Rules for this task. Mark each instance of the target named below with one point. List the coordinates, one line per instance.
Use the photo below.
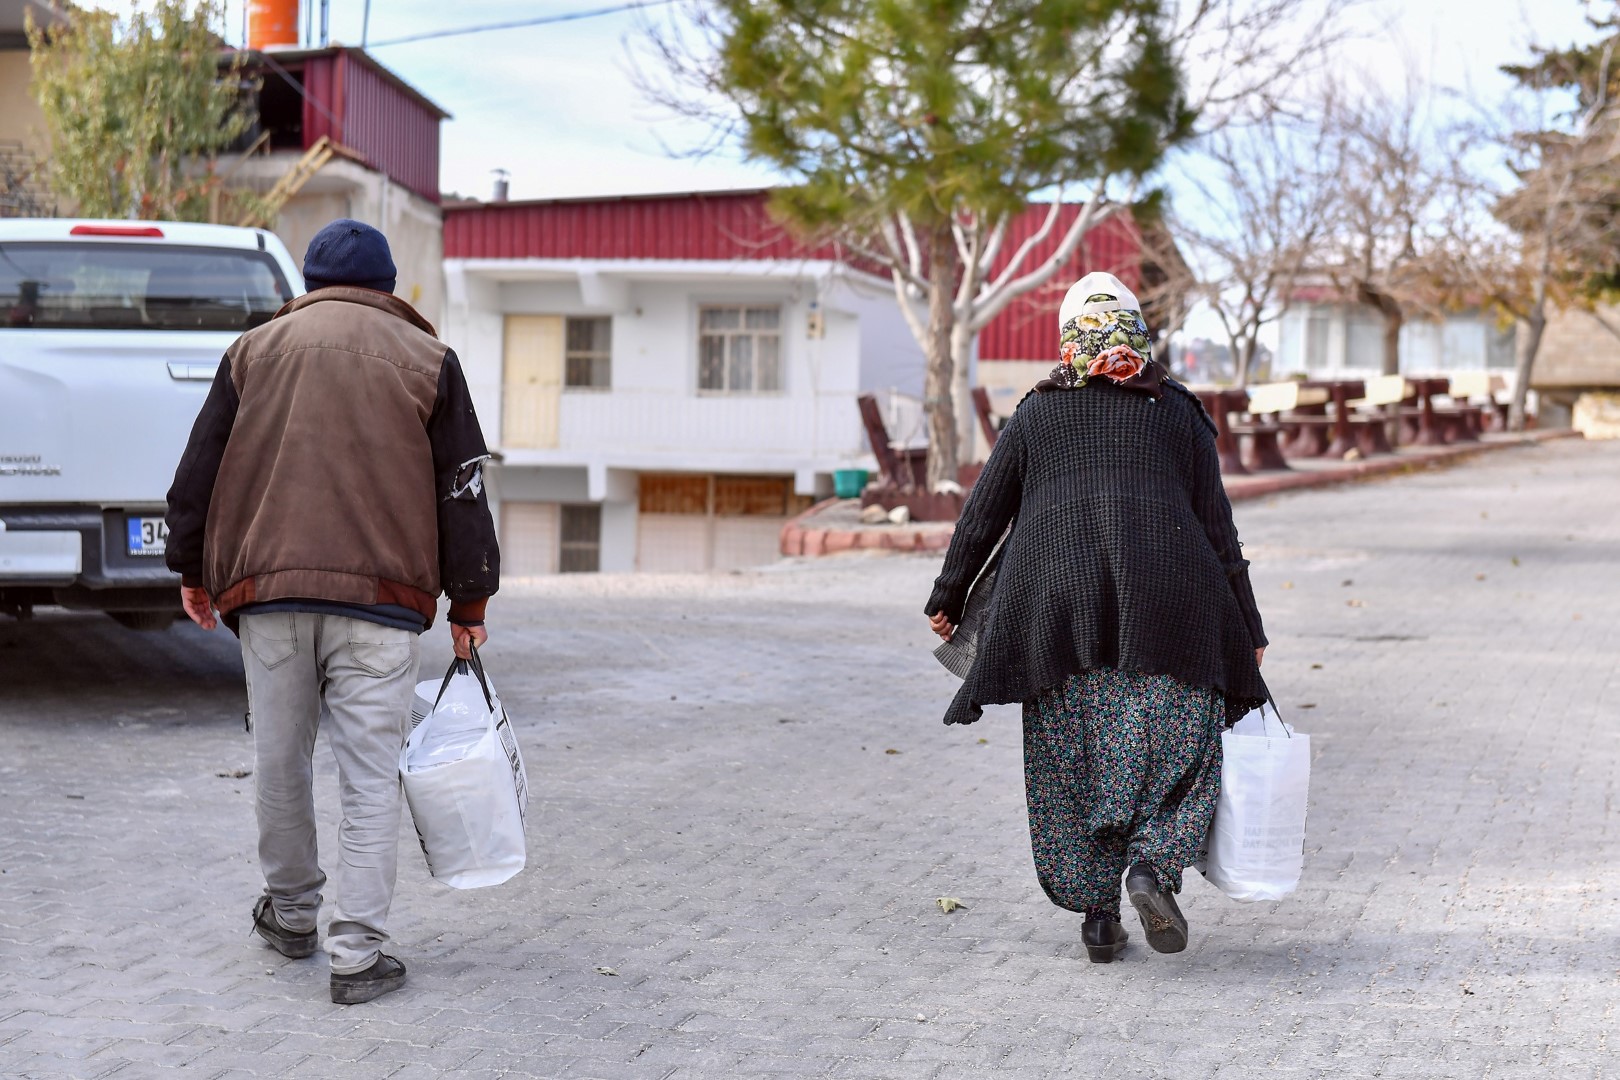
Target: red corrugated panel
(362, 109)
(318, 111)
(394, 132)
(718, 225)
(1027, 329)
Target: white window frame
(742, 307)
(590, 388)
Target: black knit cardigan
(1122, 553)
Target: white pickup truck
(110, 333)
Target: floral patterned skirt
(1119, 768)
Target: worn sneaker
(288, 943)
(387, 974)
(1162, 921)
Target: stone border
(802, 540)
(810, 542)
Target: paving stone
(715, 817)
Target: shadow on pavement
(67, 667)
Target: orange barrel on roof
(272, 24)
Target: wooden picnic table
(1273, 412)
(1310, 426)
(1429, 431)
(1344, 435)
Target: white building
(666, 379)
(1327, 338)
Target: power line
(572, 16)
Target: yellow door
(533, 382)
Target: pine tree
(915, 130)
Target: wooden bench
(1377, 393)
(904, 473)
(989, 422)
(1469, 387)
(899, 466)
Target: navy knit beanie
(349, 252)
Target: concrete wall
(22, 121)
(20, 117)
(413, 225)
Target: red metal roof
(696, 225)
(736, 225)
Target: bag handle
(1277, 712)
(460, 666)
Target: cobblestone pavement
(746, 807)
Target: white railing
(767, 425)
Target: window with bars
(588, 354)
(740, 349)
(580, 547)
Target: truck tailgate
(98, 417)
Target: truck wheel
(144, 620)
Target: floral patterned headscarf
(1103, 335)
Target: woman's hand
(940, 625)
(1259, 656)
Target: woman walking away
(1120, 615)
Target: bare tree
(1233, 59)
(1388, 223)
(1259, 201)
(1542, 243)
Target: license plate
(147, 535)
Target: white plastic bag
(464, 780)
(1256, 846)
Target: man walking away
(331, 488)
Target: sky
(558, 105)
(559, 108)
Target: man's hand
(940, 625)
(1259, 656)
(198, 606)
(465, 637)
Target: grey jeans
(357, 677)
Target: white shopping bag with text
(1256, 845)
(464, 780)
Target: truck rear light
(116, 230)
